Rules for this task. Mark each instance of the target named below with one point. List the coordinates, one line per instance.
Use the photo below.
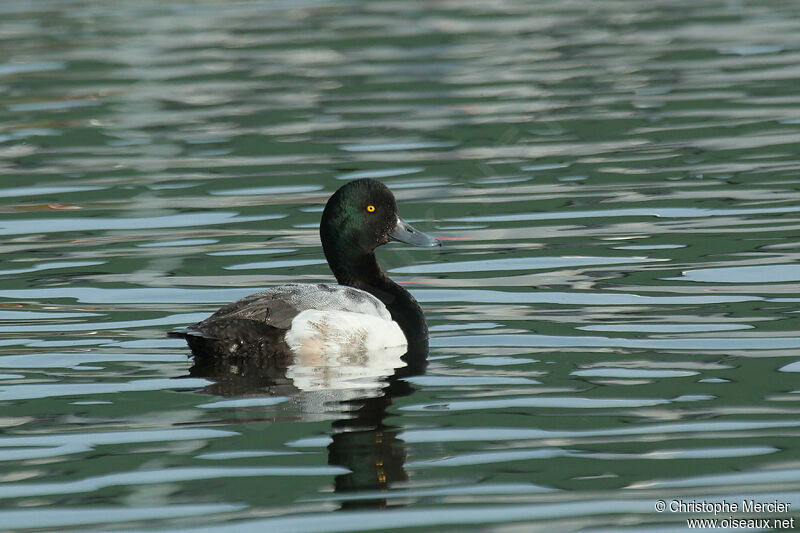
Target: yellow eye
(371, 208)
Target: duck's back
(278, 306)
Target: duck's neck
(363, 272)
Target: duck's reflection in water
(355, 389)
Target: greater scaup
(365, 312)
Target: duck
(365, 311)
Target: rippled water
(614, 315)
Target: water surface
(613, 316)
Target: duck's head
(361, 216)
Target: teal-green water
(614, 312)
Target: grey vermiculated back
(278, 306)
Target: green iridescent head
(361, 216)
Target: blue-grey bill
(405, 232)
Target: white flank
(317, 332)
(343, 350)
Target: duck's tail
(188, 333)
